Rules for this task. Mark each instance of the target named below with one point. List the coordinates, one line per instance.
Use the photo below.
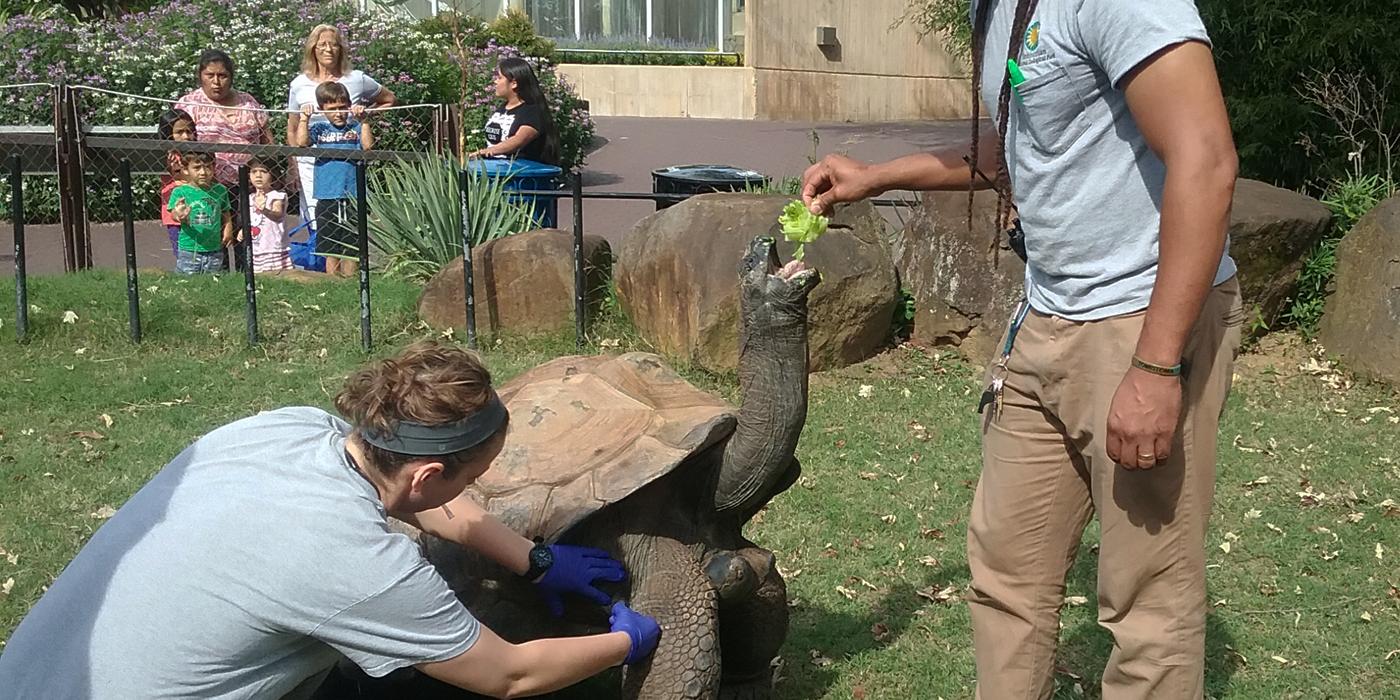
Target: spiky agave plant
(416, 214)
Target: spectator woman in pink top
(223, 114)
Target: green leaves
(416, 215)
(801, 226)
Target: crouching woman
(262, 554)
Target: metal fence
(79, 175)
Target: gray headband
(421, 440)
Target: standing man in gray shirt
(1111, 131)
(262, 554)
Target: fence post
(468, 283)
(580, 303)
(21, 280)
(245, 223)
(133, 294)
(77, 254)
(362, 221)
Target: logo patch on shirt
(1033, 36)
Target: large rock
(962, 301)
(1272, 230)
(1362, 320)
(678, 279)
(524, 284)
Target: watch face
(541, 558)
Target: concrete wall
(875, 73)
(710, 92)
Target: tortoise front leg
(667, 584)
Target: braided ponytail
(1025, 9)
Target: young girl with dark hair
(522, 126)
(173, 125)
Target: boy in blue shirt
(335, 179)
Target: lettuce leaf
(801, 226)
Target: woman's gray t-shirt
(249, 564)
(1087, 186)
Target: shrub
(416, 221)
(514, 28)
(641, 53)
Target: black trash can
(699, 179)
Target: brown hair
(429, 383)
(197, 157)
(1002, 182)
(331, 91)
(308, 50)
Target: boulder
(1361, 322)
(524, 284)
(962, 301)
(678, 279)
(1272, 231)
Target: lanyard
(1020, 317)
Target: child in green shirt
(202, 207)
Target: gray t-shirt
(247, 566)
(1088, 188)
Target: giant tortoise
(623, 454)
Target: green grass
(909, 449)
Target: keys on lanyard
(992, 395)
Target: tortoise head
(766, 282)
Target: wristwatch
(541, 558)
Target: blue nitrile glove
(642, 629)
(574, 570)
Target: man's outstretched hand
(836, 179)
(575, 570)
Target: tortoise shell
(586, 432)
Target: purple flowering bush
(154, 53)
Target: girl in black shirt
(522, 127)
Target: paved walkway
(631, 148)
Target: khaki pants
(1045, 470)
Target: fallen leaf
(946, 595)
(88, 435)
(858, 692)
(103, 513)
(928, 561)
(7, 586)
(931, 533)
(866, 391)
(321, 353)
(869, 476)
(888, 519)
(908, 393)
(1380, 409)
(1365, 616)
(1329, 556)
(1356, 517)
(1380, 552)
(311, 307)
(609, 343)
(880, 631)
(1280, 659)
(848, 593)
(1392, 654)
(1257, 482)
(1225, 547)
(12, 558)
(80, 351)
(68, 316)
(1253, 513)
(819, 660)
(1077, 600)
(918, 431)
(1274, 527)
(106, 420)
